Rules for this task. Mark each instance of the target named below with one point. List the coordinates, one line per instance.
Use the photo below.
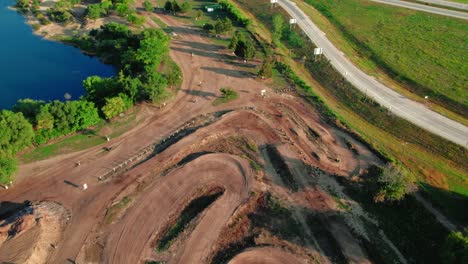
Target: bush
(116, 105)
(227, 95)
(387, 184)
(223, 25)
(8, 167)
(135, 19)
(235, 13)
(148, 6)
(455, 249)
(59, 15)
(266, 71)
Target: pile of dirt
(31, 234)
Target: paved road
(425, 8)
(412, 111)
(446, 3)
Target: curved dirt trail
(150, 214)
(266, 255)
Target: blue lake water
(31, 67)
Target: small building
(212, 8)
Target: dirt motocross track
(165, 178)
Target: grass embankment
(434, 161)
(82, 140)
(190, 212)
(422, 51)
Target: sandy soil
(32, 234)
(267, 255)
(281, 120)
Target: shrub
(8, 166)
(116, 105)
(387, 184)
(455, 249)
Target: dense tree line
(175, 7)
(137, 56)
(120, 7)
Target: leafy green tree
(72, 116)
(98, 88)
(86, 114)
(208, 27)
(393, 185)
(455, 249)
(278, 27)
(148, 6)
(125, 2)
(223, 25)
(59, 15)
(106, 5)
(168, 6)
(292, 38)
(93, 11)
(235, 40)
(44, 119)
(35, 5)
(153, 46)
(174, 77)
(185, 7)
(130, 86)
(29, 107)
(8, 167)
(23, 4)
(16, 132)
(122, 9)
(135, 19)
(387, 184)
(245, 49)
(155, 87)
(116, 105)
(175, 7)
(266, 71)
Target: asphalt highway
(446, 3)
(400, 105)
(425, 8)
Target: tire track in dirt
(149, 216)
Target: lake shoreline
(57, 66)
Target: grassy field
(459, 1)
(423, 51)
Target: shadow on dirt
(199, 93)
(232, 73)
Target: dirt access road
(281, 119)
